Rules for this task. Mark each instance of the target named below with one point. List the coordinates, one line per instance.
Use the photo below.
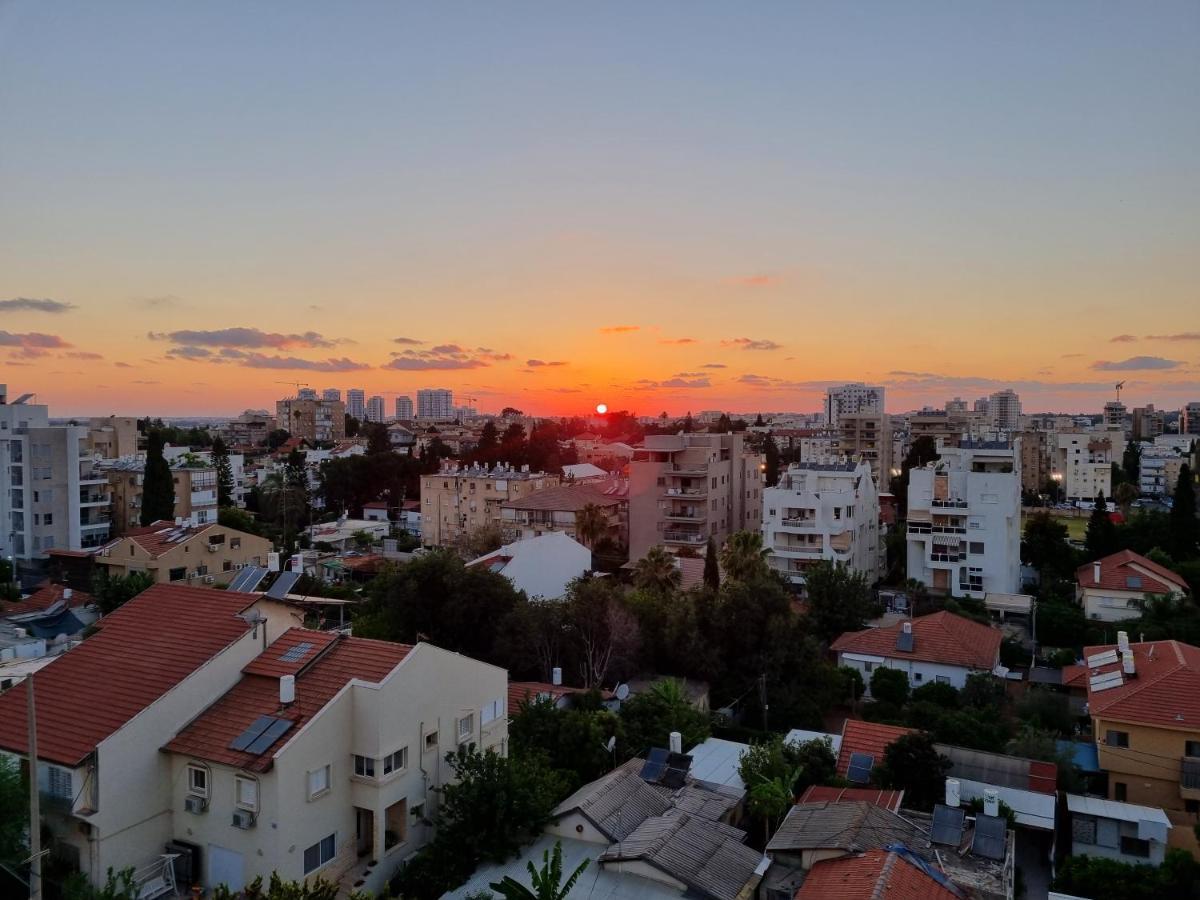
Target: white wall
(919, 672)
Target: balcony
(950, 504)
(684, 537)
(804, 549)
(204, 498)
(684, 492)
(947, 557)
(89, 498)
(1189, 778)
(797, 522)
(688, 469)
(679, 515)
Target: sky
(658, 206)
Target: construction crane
(1120, 384)
(296, 384)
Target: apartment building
(460, 500)
(334, 394)
(1082, 462)
(435, 404)
(1115, 414)
(823, 511)
(250, 429)
(559, 508)
(1189, 419)
(1035, 462)
(356, 403)
(51, 495)
(1148, 422)
(855, 397)
(946, 428)
(686, 488)
(315, 421)
(184, 553)
(404, 408)
(251, 745)
(111, 437)
(867, 436)
(1158, 473)
(195, 492)
(1004, 407)
(375, 408)
(964, 520)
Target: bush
(889, 686)
(937, 693)
(881, 711)
(1087, 876)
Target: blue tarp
(1085, 756)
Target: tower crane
(296, 384)
(1120, 384)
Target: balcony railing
(684, 537)
(797, 522)
(798, 548)
(1189, 773)
(950, 504)
(688, 469)
(684, 492)
(947, 557)
(679, 515)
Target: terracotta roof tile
(139, 653)
(817, 793)
(291, 652)
(209, 735)
(941, 637)
(44, 598)
(873, 875)
(1117, 569)
(1166, 691)
(522, 691)
(159, 537)
(566, 498)
(866, 737)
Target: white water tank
(287, 689)
(991, 803)
(953, 792)
(556, 675)
(676, 742)
(1122, 641)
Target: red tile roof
(1115, 570)
(161, 536)
(941, 637)
(209, 735)
(521, 691)
(139, 653)
(43, 598)
(300, 646)
(817, 793)
(1074, 676)
(567, 498)
(1165, 693)
(873, 875)
(866, 737)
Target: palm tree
(1124, 494)
(772, 798)
(656, 571)
(591, 524)
(547, 883)
(743, 557)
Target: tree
(712, 571)
(1124, 495)
(1093, 876)
(278, 889)
(277, 438)
(743, 557)
(1184, 527)
(220, 456)
(839, 599)
(377, 439)
(591, 524)
(573, 740)
(771, 798)
(353, 426)
(889, 686)
(650, 717)
(1131, 462)
(1045, 546)
(547, 883)
(1101, 538)
(657, 571)
(912, 763)
(922, 451)
(14, 813)
(606, 633)
(158, 487)
(813, 762)
(111, 592)
(237, 519)
(771, 462)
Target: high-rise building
(983, 406)
(868, 436)
(1081, 462)
(956, 406)
(331, 394)
(436, 404)
(1114, 413)
(316, 421)
(1004, 407)
(822, 511)
(461, 500)
(306, 393)
(855, 397)
(1148, 422)
(375, 408)
(964, 520)
(356, 403)
(1189, 419)
(404, 407)
(686, 488)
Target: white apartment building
(306, 393)
(822, 511)
(1082, 462)
(964, 520)
(1004, 407)
(1159, 471)
(404, 408)
(51, 496)
(375, 408)
(855, 397)
(332, 394)
(356, 403)
(436, 404)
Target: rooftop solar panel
(947, 825)
(904, 641)
(274, 732)
(283, 584)
(656, 764)
(251, 734)
(296, 653)
(859, 770)
(675, 775)
(256, 579)
(989, 839)
(241, 578)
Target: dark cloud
(714, 366)
(33, 344)
(1136, 364)
(259, 361)
(620, 329)
(444, 357)
(539, 363)
(407, 341)
(750, 344)
(83, 354)
(1122, 339)
(246, 338)
(409, 364)
(189, 353)
(1181, 336)
(683, 340)
(689, 375)
(28, 304)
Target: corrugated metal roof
(1112, 809)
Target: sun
(601, 408)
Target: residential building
(435, 404)
(1035, 463)
(194, 554)
(869, 875)
(1158, 472)
(1115, 413)
(401, 437)
(957, 406)
(334, 394)
(558, 508)
(315, 421)
(375, 408)
(195, 492)
(944, 428)
(1004, 407)
(111, 437)
(356, 403)
(855, 397)
(1189, 418)
(1113, 588)
(1083, 463)
(51, 496)
(543, 567)
(686, 488)
(1148, 422)
(1123, 832)
(867, 436)
(941, 647)
(404, 408)
(964, 520)
(822, 511)
(306, 393)
(1144, 702)
(460, 500)
(250, 429)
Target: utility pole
(35, 813)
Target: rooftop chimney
(67, 593)
(1096, 572)
(952, 792)
(287, 689)
(676, 742)
(556, 676)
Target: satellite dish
(622, 691)
(611, 743)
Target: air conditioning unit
(213, 548)
(208, 579)
(243, 818)
(195, 805)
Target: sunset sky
(655, 205)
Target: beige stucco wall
(129, 556)
(1149, 768)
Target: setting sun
(601, 408)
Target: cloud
(683, 340)
(83, 354)
(189, 353)
(444, 357)
(259, 361)
(145, 382)
(32, 344)
(714, 366)
(685, 383)
(408, 364)
(1136, 363)
(249, 338)
(620, 329)
(1122, 339)
(689, 375)
(749, 344)
(27, 304)
(761, 280)
(754, 380)
(539, 363)
(1182, 336)
(163, 301)
(407, 341)
(123, 365)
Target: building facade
(195, 493)
(867, 436)
(404, 408)
(315, 421)
(1004, 407)
(375, 409)
(1189, 419)
(435, 404)
(1083, 463)
(332, 394)
(111, 437)
(195, 555)
(855, 397)
(459, 501)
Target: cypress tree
(771, 452)
(712, 572)
(1184, 527)
(1101, 535)
(158, 488)
(220, 455)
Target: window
(1083, 829)
(197, 780)
(364, 766)
(868, 666)
(977, 548)
(318, 782)
(1132, 846)
(396, 762)
(318, 854)
(1116, 738)
(492, 710)
(466, 726)
(1191, 748)
(918, 677)
(431, 741)
(178, 574)
(246, 793)
(1120, 791)
(60, 783)
(235, 543)
(216, 539)
(1108, 833)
